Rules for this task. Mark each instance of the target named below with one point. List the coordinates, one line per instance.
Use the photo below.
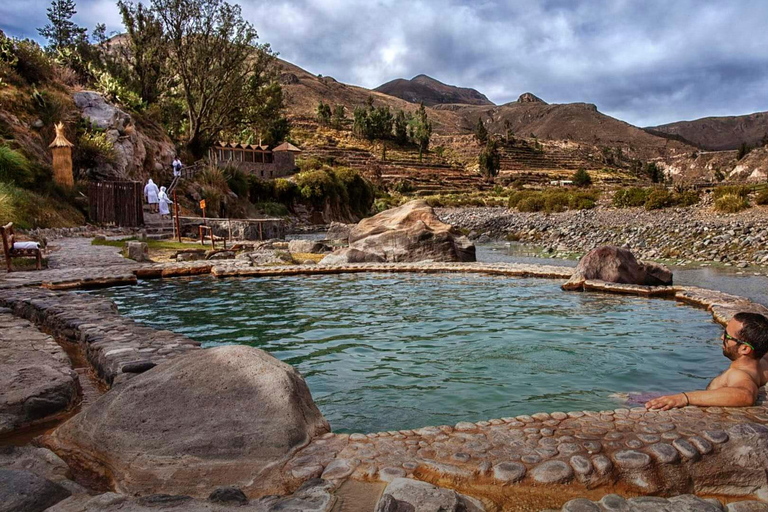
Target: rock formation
(616, 265)
(136, 155)
(225, 416)
(411, 232)
(403, 494)
(36, 380)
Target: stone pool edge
(624, 447)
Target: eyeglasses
(727, 337)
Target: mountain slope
(427, 90)
(719, 133)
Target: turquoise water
(396, 351)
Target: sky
(646, 62)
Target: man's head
(746, 335)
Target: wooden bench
(14, 249)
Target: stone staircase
(157, 228)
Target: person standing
(177, 165)
(164, 201)
(150, 193)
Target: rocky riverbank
(681, 235)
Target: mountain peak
(528, 97)
(430, 91)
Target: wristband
(687, 400)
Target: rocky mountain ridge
(719, 133)
(427, 90)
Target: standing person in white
(151, 192)
(164, 201)
(177, 165)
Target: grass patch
(553, 200)
(301, 257)
(151, 244)
(731, 203)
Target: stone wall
(240, 229)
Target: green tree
(401, 128)
(507, 130)
(490, 160)
(323, 113)
(481, 133)
(581, 178)
(372, 123)
(744, 149)
(420, 128)
(228, 81)
(60, 31)
(339, 117)
(653, 172)
(145, 51)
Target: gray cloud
(646, 62)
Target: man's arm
(740, 391)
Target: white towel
(26, 245)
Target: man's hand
(668, 402)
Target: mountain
(718, 133)
(530, 116)
(427, 90)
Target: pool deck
(709, 451)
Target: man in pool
(745, 342)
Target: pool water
(396, 351)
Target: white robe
(150, 192)
(164, 202)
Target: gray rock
(228, 495)
(36, 379)
(747, 506)
(509, 472)
(99, 113)
(691, 503)
(350, 255)
(137, 251)
(24, 491)
(552, 472)
(215, 417)
(617, 265)
(664, 453)
(580, 505)
(405, 495)
(614, 503)
(307, 247)
(631, 459)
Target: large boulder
(351, 255)
(616, 265)
(307, 247)
(225, 416)
(36, 378)
(135, 154)
(411, 232)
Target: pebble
(664, 453)
(630, 459)
(552, 472)
(509, 472)
(685, 448)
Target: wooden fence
(117, 202)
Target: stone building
(256, 159)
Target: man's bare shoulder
(736, 377)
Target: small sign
(202, 204)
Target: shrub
(92, 150)
(737, 190)
(629, 197)
(273, 209)
(359, 191)
(687, 198)
(318, 185)
(14, 167)
(309, 164)
(285, 191)
(731, 203)
(32, 64)
(658, 199)
(534, 203)
(213, 178)
(762, 198)
(237, 181)
(403, 186)
(581, 178)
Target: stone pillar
(62, 158)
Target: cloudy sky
(644, 61)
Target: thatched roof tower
(62, 158)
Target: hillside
(304, 91)
(719, 133)
(576, 122)
(427, 90)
